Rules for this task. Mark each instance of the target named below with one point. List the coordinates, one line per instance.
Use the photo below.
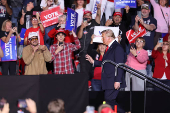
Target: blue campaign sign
(123, 3)
(72, 18)
(22, 34)
(9, 50)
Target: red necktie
(107, 49)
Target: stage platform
(73, 89)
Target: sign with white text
(72, 18)
(99, 29)
(132, 35)
(123, 3)
(9, 50)
(50, 16)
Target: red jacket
(68, 38)
(160, 65)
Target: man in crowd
(27, 12)
(35, 56)
(111, 83)
(62, 52)
(85, 31)
(122, 24)
(36, 27)
(150, 24)
(5, 11)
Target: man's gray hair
(109, 33)
(62, 16)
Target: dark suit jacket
(116, 54)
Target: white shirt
(80, 16)
(44, 4)
(116, 39)
(164, 75)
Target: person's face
(163, 2)
(80, 2)
(145, 12)
(34, 21)
(60, 37)
(140, 2)
(50, 2)
(117, 19)
(34, 41)
(8, 26)
(139, 43)
(30, 5)
(62, 21)
(165, 46)
(105, 39)
(102, 47)
(88, 16)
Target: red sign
(50, 17)
(132, 35)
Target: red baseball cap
(107, 110)
(85, 12)
(165, 39)
(61, 31)
(118, 13)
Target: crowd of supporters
(54, 50)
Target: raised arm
(98, 15)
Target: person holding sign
(35, 56)
(123, 24)
(85, 31)
(62, 53)
(36, 27)
(5, 35)
(80, 8)
(150, 24)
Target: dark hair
(141, 38)
(166, 5)
(56, 106)
(84, 5)
(59, 33)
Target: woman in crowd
(5, 35)
(97, 71)
(161, 55)
(45, 5)
(162, 15)
(80, 8)
(137, 59)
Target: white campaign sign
(94, 9)
(99, 29)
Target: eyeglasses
(139, 41)
(33, 39)
(166, 44)
(34, 19)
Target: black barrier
(73, 89)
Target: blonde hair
(62, 16)
(4, 24)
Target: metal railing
(139, 75)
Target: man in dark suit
(111, 83)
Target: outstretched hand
(90, 59)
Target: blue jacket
(116, 54)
